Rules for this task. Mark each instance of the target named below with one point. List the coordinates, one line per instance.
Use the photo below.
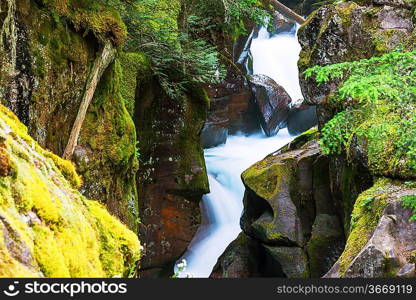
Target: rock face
(348, 32)
(272, 103)
(289, 213)
(231, 111)
(47, 228)
(382, 238)
(43, 82)
(301, 118)
(238, 260)
(172, 177)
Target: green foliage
(177, 59)
(377, 102)
(137, 151)
(409, 201)
(367, 202)
(237, 10)
(391, 76)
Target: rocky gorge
(174, 101)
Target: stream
(275, 56)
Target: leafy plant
(181, 267)
(368, 202)
(376, 99)
(409, 201)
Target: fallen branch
(102, 61)
(287, 12)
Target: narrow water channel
(275, 56)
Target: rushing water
(221, 209)
(277, 57)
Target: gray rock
(292, 261)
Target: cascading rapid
(276, 57)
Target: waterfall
(221, 209)
(277, 58)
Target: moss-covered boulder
(382, 235)
(47, 228)
(349, 31)
(278, 204)
(289, 208)
(45, 63)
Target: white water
(277, 58)
(222, 207)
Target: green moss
(52, 230)
(110, 133)
(115, 256)
(265, 177)
(66, 167)
(194, 108)
(135, 66)
(365, 221)
(378, 112)
(97, 17)
(301, 140)
(48, 254)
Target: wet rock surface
(289, 211)
(172, 177)
(272, 103)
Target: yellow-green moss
(364, 220)
(63, 234)
(264, 178)
(135, 66)
(66, 167)
(115, 240)
(48, 254)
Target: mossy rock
(279, 204)
(48, 228)
(106, 155)
(325, 244)
(381, 233)
(97, 17)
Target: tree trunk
(287, 12)
(104, 58)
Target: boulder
(278, 204)
(290, 210)
(382, 237)
(215, 130)
(239, 259)
(347, 32)
(272, 103)
(301, 118)
(290, 262)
